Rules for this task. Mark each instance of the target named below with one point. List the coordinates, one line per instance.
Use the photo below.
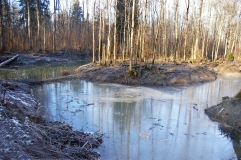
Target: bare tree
(93, 59)
(186, 31)
(38, 23)
(29, 26)
(1, 27)
(196, 47)
(132, 34)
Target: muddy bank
(158, 74)
(228, 69)
(26, 135)
(228, 114)
(37, 58)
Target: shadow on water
(38, 72)
(145, 123)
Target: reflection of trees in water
(123, 113)
(38, 73)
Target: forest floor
(26, 135)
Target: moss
(130, 73)
(238, 95)
(229, 56)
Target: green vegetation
(229, 56)
(238, 95)
(130, 73)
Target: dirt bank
(37, 58)
(228, 69)
(228, 114)
(158, 74)
(24, 134)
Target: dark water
(145, 122)
(38, 72)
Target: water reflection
(39, 72)
(144, 123)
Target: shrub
(238, 95)
(229, 56)
(130, 73)
(65, 73)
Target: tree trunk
(29, 27)
(186, 32)
(176, 30)
(100, 29)
(115, 32)
(109, 30)
(93, 59)
(38, 24)
(196, 47)
(132, 34)
(1, 27)
(54, 33)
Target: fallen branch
(9, 60)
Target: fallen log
(9, 60)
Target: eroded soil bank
(228, 114)
(24, 134)
(159, 74)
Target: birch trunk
(93, 59)
(1, 27)
(196, 47)
(54, 27)
(29, 27)
(132, 34)
(38, 24)
(176, 30)
(115, 32)
(100, 38)
(186, 32)
(109, 30)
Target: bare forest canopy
(133, 30)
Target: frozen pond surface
(144, 122)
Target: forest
(124, 30)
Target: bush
(130, 73)
(238, 95)
(229, 56)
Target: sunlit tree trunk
(93, 28)
(29, 27)
(115, 32)
(54, 33)
(196, 47)
(186, 32)
(143, 58)
(103, 41)
(124, 35)
(1, 27)
(38, 24)
(132, 34)
(100, 36)
(109, 31)
(176, 29)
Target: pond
(38, 72)
(145, 122)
